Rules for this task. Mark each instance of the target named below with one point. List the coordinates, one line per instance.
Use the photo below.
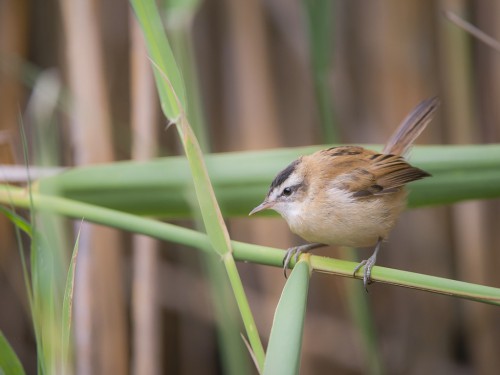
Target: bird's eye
(287, 191)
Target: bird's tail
(402, 139)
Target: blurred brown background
(257, 89)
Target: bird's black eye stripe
(284, 174)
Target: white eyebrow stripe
(293, 180)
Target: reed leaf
(160, 52)
(241, 179)
(285, 341)
(67, 307)
(242, 251)
(9, 362)
(173, 93)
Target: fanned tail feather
(412, 126)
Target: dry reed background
(254, 66)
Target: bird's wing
(379, 174)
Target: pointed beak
(263, 206)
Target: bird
(349, 195)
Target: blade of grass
(67, 308)
(9, 362)
(179, 19)
(233, 352)
(169, 73)
(171, 90)
(17, 220)
(36, 298)
(243, 251)
(20, 224)
(180, 14)
(285, 341)
(160, 52)
(45, 298)
(216, 228)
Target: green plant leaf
(242, 251)
(215, 226)
(17, 220)
(160, 52)
(9, 362)
(474, 292)
(67, 310)
(285, 341)
(179, 15)
(241, 179)
(171, 84)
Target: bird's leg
(368, 263)
(297, 250)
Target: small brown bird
(348, 195)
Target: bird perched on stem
(349, 195)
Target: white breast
(343, 219)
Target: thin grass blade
(167, 69)
(67, 309)
(17, 220)
(160, 52)
(179, 24)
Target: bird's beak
(263, 206)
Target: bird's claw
(368, 264)
(288, 256)
(295, 252)
(367, 272)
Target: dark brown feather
(343, 151)
(379, 174)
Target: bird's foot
(295, 252)
(368, 265)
